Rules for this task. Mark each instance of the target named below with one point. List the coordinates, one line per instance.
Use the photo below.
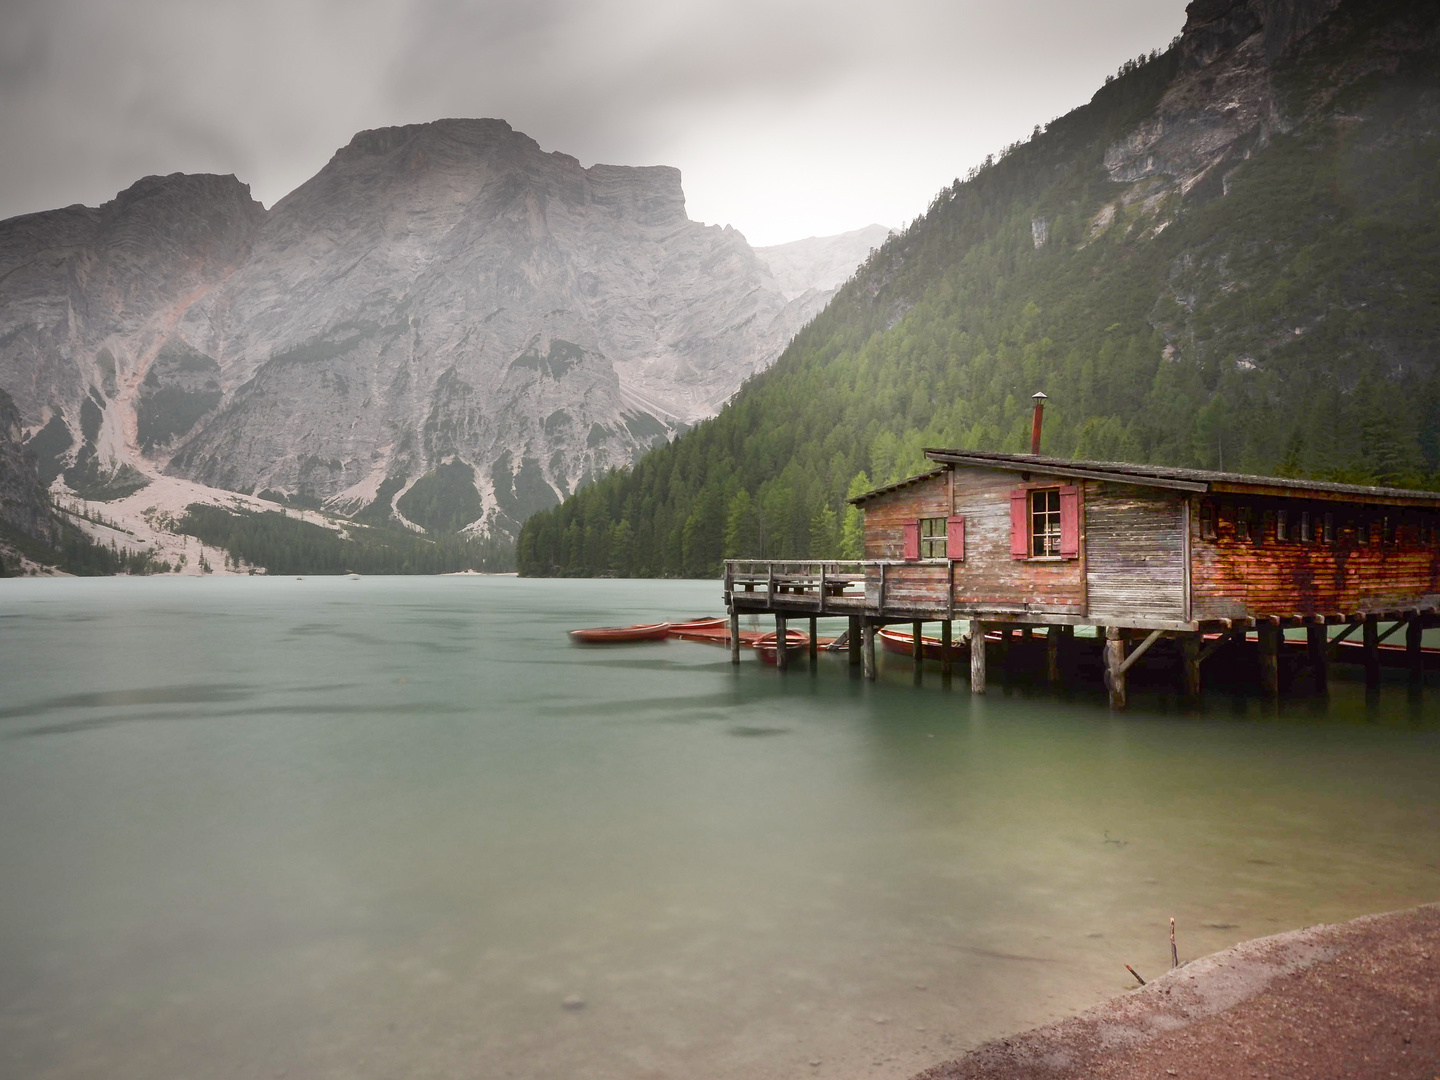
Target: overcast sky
(788, 118)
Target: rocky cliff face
(1223, 105)
(444, 294)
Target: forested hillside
(1264, 299)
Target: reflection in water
(392, 827)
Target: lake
(400, 827)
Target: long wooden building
(1023, 541)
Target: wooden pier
(1159, 561)
(791, 592)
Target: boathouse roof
(1204, 481)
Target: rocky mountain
(821, 263)
(1226, 259)
(446, 323)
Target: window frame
(928, 541)
(1043, 543)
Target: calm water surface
(392, 827)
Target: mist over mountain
(1229, 258)
(446, 324)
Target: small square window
(932, 538)
(1242, 523)
(1282, 525)
(1207, 521)
(1045, 522)
(1307, 534)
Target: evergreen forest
(1280, 318)
(288, 545)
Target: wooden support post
(782, 654)
(1372, 651)
(1115, 666)
(1414, 628)
(977, 656)
(917, 643)
(1190, 650)
(946, 666)
(1315, 639)
(1267, 637)
(854, 642)
(1052, 655)
(814, 645)
(869, 650)
(734, 636)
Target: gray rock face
(88, 297)
(1222, 105)
(822, 263)
(439, 293)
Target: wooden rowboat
(609, 635)
(766, 644)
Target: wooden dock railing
(825, 585)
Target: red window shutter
(1019, 524)
(955, 538)
(912, 539)
(1070, 522)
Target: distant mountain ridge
(444, 308)
(1229, 258)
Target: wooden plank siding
(1232, 578)
(988, 579)
(1135, 553)
(991, 579)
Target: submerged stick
(1174, 956)
(1132, 971)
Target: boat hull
(613, 635)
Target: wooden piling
(1190, 651)
(917, 648)
(814, 639)
(1268, 641)
(1415, 659)
(1052, 655)
(946, 665)
(854, 641)
(782, 654)
(1115, 666)
(869, 651)
(977, 656)
(1372, 651)
(1316, 640)
(734, 636)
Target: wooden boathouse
(1023, 543)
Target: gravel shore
(1356, 1000)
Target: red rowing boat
(767, 644)
(609, 635)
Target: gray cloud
(787, 118)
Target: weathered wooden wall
(1135, 553)
(1232, 578)
(988, 579)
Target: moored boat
(609, 635)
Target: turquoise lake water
(400, 827)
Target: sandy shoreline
(1354, 999)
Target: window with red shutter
(955, 538)
(1019, 524)
(912, 540)
(1070, 522)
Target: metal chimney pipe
(1039, 399)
